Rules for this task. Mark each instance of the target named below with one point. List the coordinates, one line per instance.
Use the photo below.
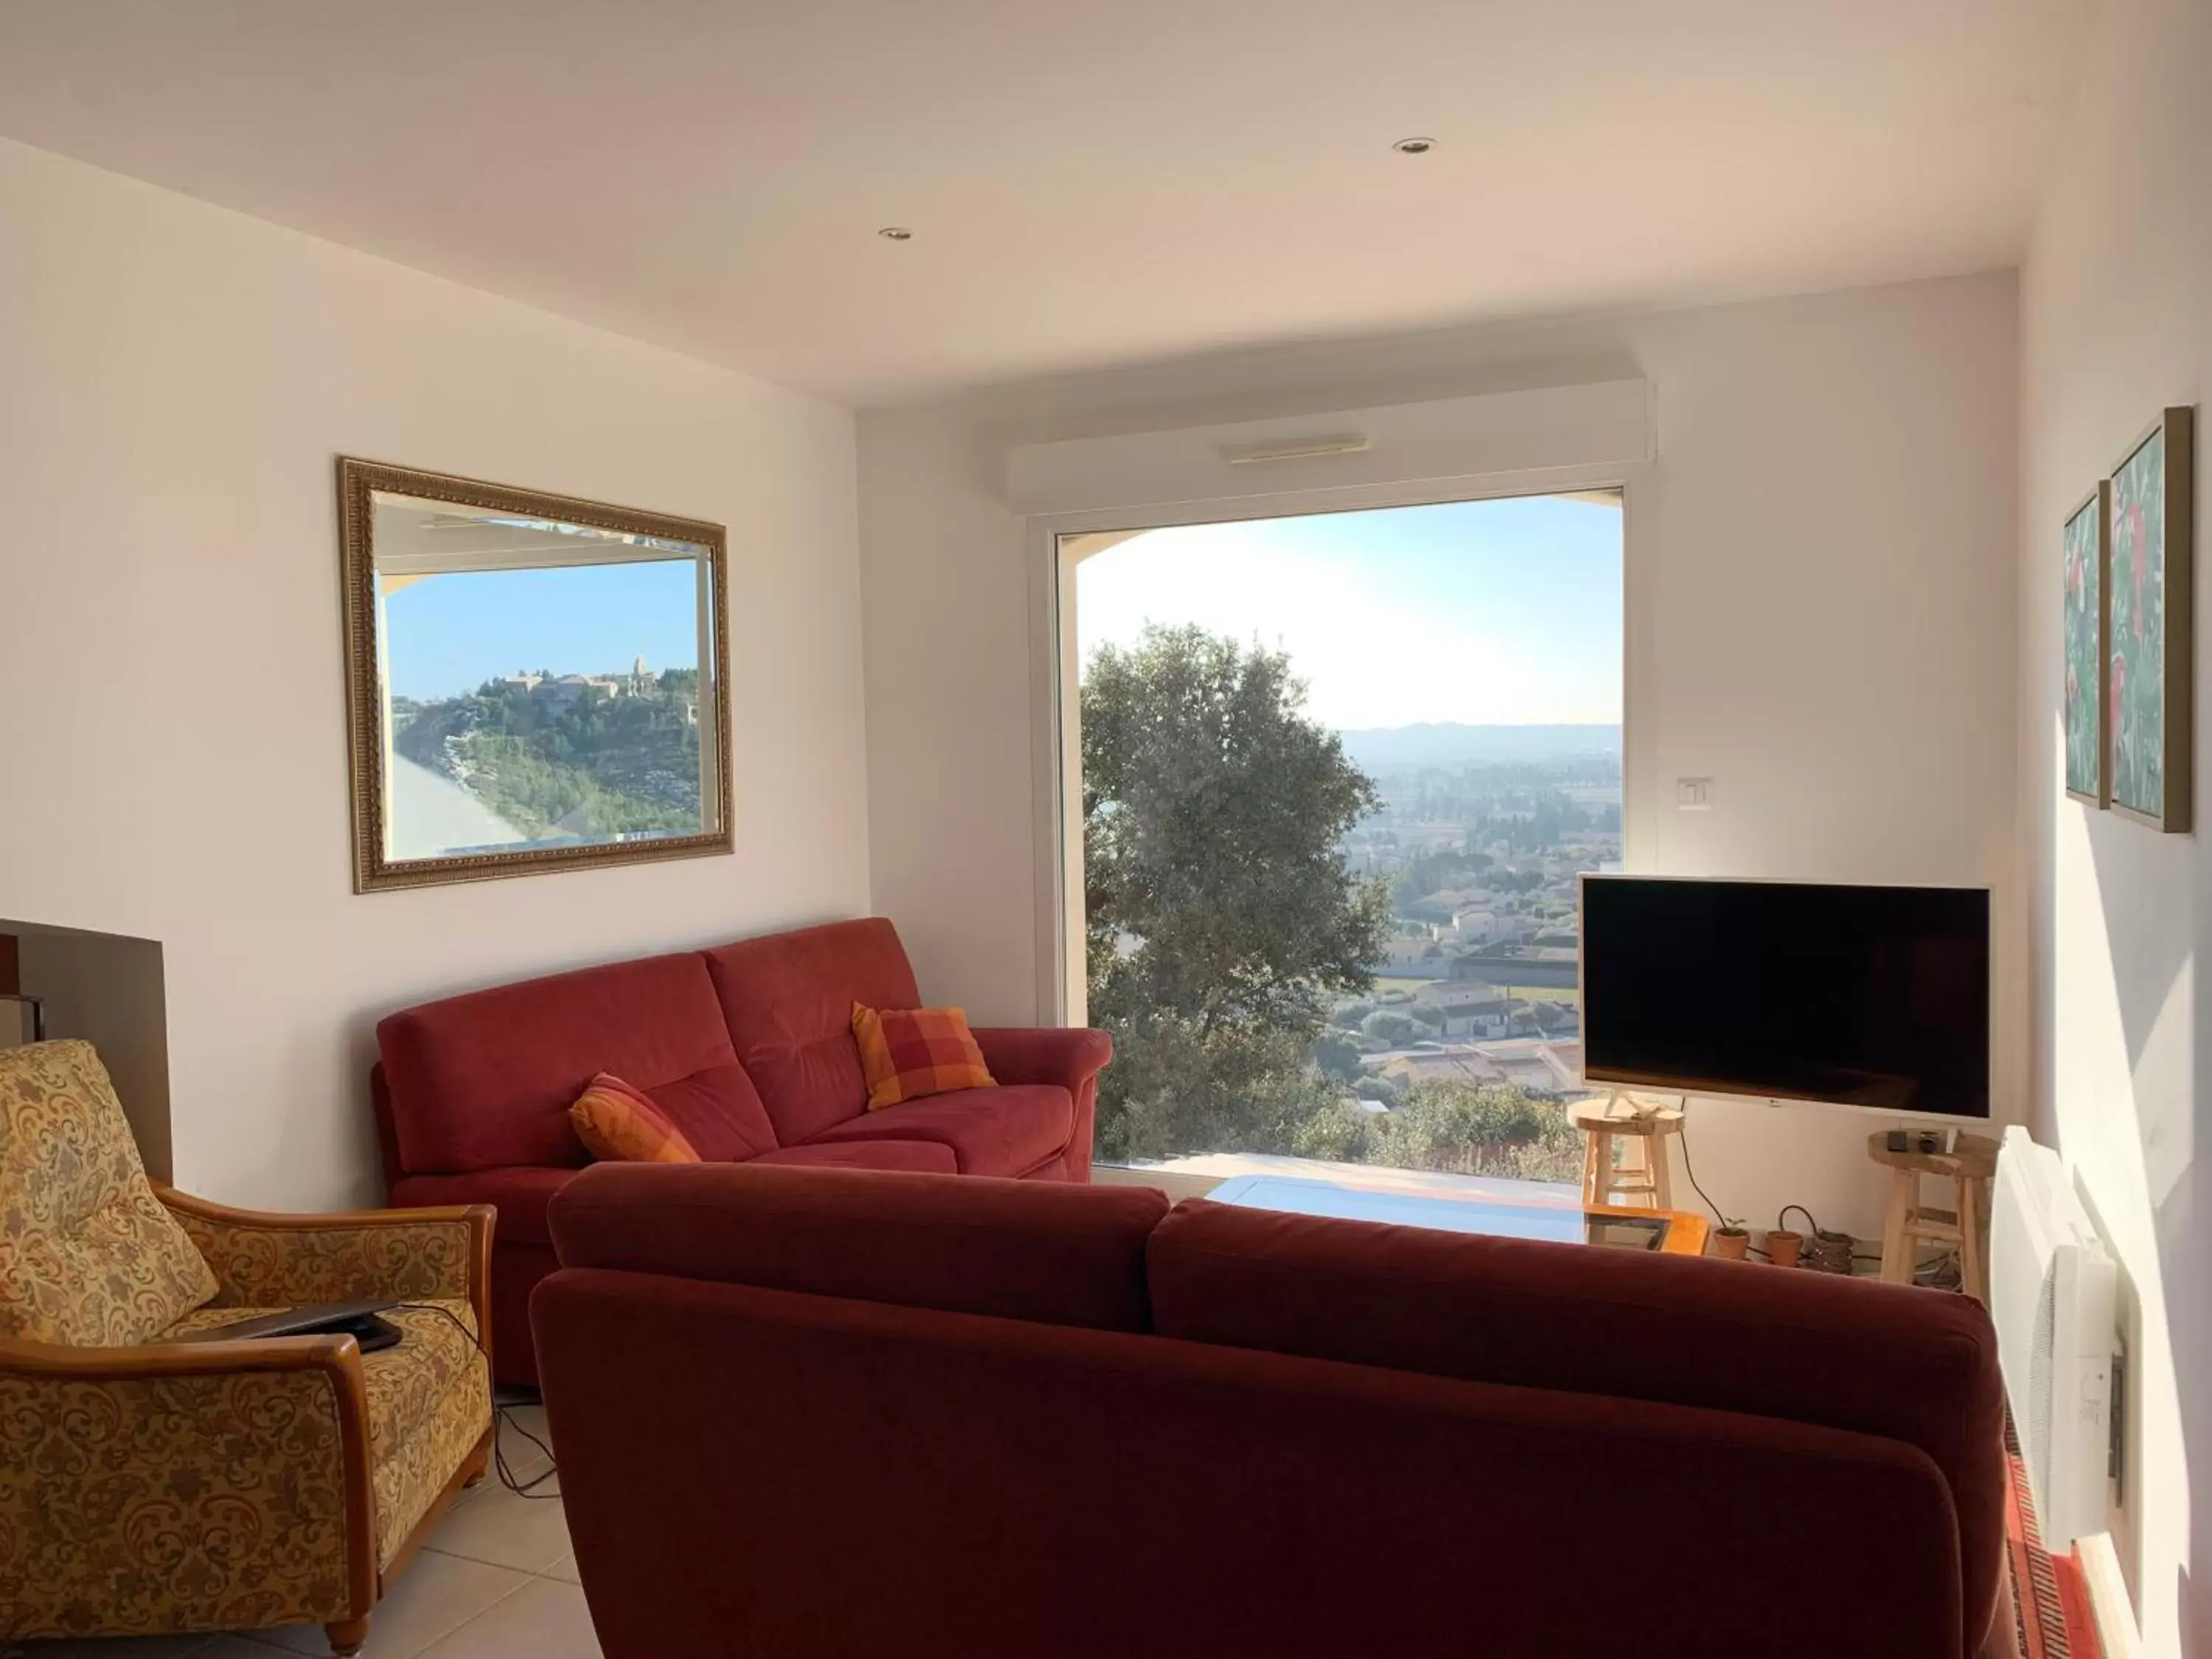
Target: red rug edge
(2052, 1613)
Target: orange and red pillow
(619, 1123)
(909, 1053)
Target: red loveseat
(806, 1418)
(748, 1048)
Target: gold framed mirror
(533, 683)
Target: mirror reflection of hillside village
(544, 756)
(1482, 836)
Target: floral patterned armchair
(153, 1484)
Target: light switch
(1694, 795)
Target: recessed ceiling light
(1414, 146)
(896, 234)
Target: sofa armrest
(1070, 1056)
(264, 1259)
(262, 1445)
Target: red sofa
(748, 1048)
(798, 1418)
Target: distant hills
(1451, 745)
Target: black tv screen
(1869, 996)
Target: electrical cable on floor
(502, 1417)
(1832, 1253)
(1682, 1134)
(505, 1416)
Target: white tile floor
(493, 1581)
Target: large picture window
(1338, 775)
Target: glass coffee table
(1671, 1233)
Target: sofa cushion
(404, 1380)
(616, 1121)
(1893, 1361)
(910, 1054)
(520, 1195)
(719, 1111)
(1019, 1249)
(992, 1132)
(926, 1157)
(436, 1413)
(788, 1002)
(483, 1080)
(429, 1402)
(88, 1255)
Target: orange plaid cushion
(621, 1124)
(913, 1052)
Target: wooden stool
(1968, 1167)
(1639, 1124)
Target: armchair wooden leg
(480, 1460)
(346, 1635)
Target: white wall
(1820, 617)
(2116, 324)
(174, 380)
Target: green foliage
(589, 763)
(1388, 1025)
(1336, 1056)
(1351, 1015)
(537, 794)
(1222, 925)
(1460, 1128)
(1338, 1132)
(1177, 1088)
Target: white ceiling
(1090, 181)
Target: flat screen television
(1866, 996)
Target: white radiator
(2053, 1293)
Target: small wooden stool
(1640, 1124)
(1968, 1167)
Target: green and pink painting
(2136, 678)
(2083, 569)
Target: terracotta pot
(1731, 1243)
(1782, 1247)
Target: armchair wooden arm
(265, 1259)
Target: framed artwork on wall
(2085, 569)
(534, 682)
(2150, 606)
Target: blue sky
(1504, 612)
(451, 633)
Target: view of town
(557, 755)
(1315, 929)
(1482, 834)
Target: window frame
(1056, 735)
